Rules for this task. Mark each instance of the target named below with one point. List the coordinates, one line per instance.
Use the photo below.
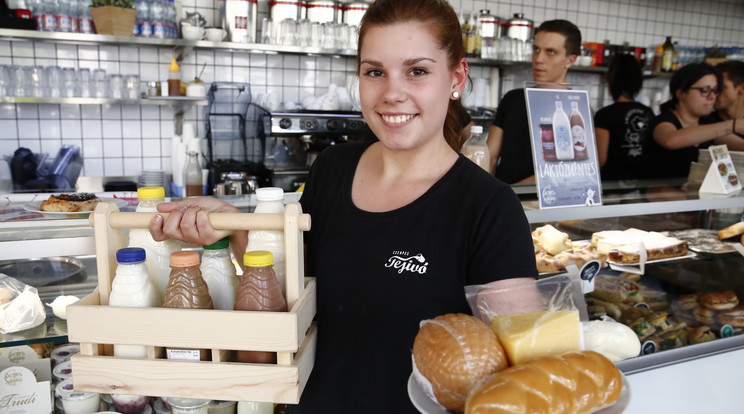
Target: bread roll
(455, 352)
(731, 231)
(573, 383)
(720, 300)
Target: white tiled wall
(126, 139)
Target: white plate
(426, 405)
(35, 207)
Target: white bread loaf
(455, 352)
(573, 383)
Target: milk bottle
(270, 200)
(133, 287)
(562, 134)
(158, 253)
(578, 132)
(219, 272)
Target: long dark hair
(442, 20)
(624, 76)
(684, 78)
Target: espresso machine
(294, 139)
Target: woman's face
(700, 98)
(405, 85)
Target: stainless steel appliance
(519, 28)
(294, 139)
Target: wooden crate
(291, 334)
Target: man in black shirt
(556, 46)
(730, 102)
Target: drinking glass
(54, 81)
(115, 86)
(5, 82)
(288, 32)
(329, 36)
(20, 81)
(85, 82)
(132, 87)
(37, 82)
(267, 31)
(99, 83)
(316, 35)
(69, 83)
(304, 33)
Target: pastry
(731, 231)
(551, 239)
(720, 300)
(624, 246)
(70, 203)
(733, 317)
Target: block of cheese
(532, 335)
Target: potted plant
(113, 17)
(715, 55)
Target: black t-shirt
(627, 123)
(666, 163)
(380, 274)
(516, 161)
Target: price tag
(648, 347)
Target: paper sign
(25, 356)
(721, 177)
(563, 148)
(21, 394)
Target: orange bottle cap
(186, 258)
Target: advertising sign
(563, 148)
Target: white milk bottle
(562, 134)
(158, 253)
(132, 287)
(270, 200)
(220, 274)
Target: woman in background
(677, 133)
(621, 127)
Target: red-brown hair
(442, 20)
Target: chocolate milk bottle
(187, 290)
(578, 133)
(259, 291)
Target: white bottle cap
(476, 129)
(270, 193)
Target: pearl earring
(455, 95)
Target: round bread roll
(687, 302)
(455, 352)
(733, 317)
(724, 299)
(704, 315)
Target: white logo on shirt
(403, 261)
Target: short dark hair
(566, 28)
(685, 77)
(734, 69)
(624, 76)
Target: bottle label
(579, 138)
(86, 25)
(666, 61)
(146, 29)
(75, 28)
(158, 31)
(50, 22)
(65, 23)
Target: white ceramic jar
(188, 405)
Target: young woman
(621, 127)
(401, 224)
(677, 133)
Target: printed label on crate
(183, 354)
(25, 356)
(20, 393)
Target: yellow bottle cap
(174, 66)
(258, 258)
(151, 192)
(185, 258)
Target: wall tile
(50, 129)
(33, 144)
(71, 128)
(8, 129)
(112, 149)
(132, 148)
(93, 167)
(91, 128)
(51, 146)
(8, 147)
(92, 148)
(28, 128)
(111, 129)
(114, 166)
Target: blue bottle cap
(130, 255)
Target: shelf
(164, 101)
(97, 39)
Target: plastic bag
(526, 295)
(20, 307)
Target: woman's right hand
(188, 220)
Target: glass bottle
(270, 200)
(132, 287)
(192, 176)
(475, 148)
(667, 59)
(259, 291)
(658, 57)
(158, 253)
(187, 290)
(562, 134)
(578, 132)
(219, 272)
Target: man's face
(729, 94)
(550, 60)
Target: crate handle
(220, 221)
